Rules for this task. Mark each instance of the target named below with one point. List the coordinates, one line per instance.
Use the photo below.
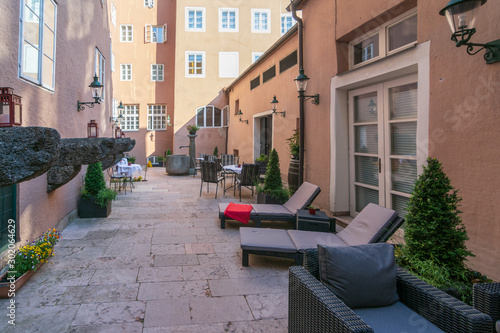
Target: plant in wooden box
(293, 169)
(95, 198)
(272, 191)
(434, 248)
(26, 261)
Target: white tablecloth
(129, 169)
(233, 167)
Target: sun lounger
(374, 224)
(302, 198)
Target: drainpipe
(300, 52)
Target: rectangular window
(38, 42)
(100, 70)
(157, 72)
(256, 56)
(287, 22)
(288, 62)
(228, 19)
(157, 117)
(236, 107)
(228, 64)
(210, 116)
(255, 83)
(366, 49)
(113, 14)
(261, 20)
(402, 33)
(155, 33)
(195, 19)
(195, 64)
(126, 33)
(149, 3)
(130, 118)
(126, 72)
(269, 74)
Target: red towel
(238, 212)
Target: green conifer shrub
(94, 179)
(273, 185)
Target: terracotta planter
(6, 287)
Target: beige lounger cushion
(301, 197)
(269, 210)
(369, 222)
(310, 239)
(264, 239)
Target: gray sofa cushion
(362, 275)
(270, 210)
(396, 318)
(264, 239)
(369, 223)
(310, 239)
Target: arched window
(211, 116)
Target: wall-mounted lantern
(11, 109)
(242, 120)
(168, 121)
(96, 89)
(461, 15)
(274, 106)
(120, 117)
(92, 129)
(301, 82)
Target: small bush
(273, 185)
(94, 179)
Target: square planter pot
(266, 199)
(88, 209)
(8, 290)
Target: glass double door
(383, 144)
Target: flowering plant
(29, 256)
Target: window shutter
(164, 33)
(147, 33)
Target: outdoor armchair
(315, 308)
(248, 178)
(209, 175)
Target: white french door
(383, 144)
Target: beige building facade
(51, 69)
(143, 43)
(393, 90)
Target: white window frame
(28, 15)
(125, 72)
(224, 115)
(160, 72)
(100, 71)
(256, 56)
(252, 20)
(155, 112)
(203, 68)
(203, 20)
(283, 27)
(113, 62)
(149, 34)
(113, 14)
(383, 39)
(236, 20)
(149, 3)
(130, 120)
(128, 36)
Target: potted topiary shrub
(131, 159)
(192, 129)
(272, 192)
(435, 237)
(293, 169)
(95, 200)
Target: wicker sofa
(314, 308)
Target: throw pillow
(362, 275)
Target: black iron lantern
(96, 89)
(274, 107)
(10, 108)
(92, 129)
(301, 82)
(118, 132)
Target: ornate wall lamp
(301, 82)
(118, 132)
(96, 88)
(92, 129)
(274, 105)
(120, 117)
(168, 121)
(10, 108)
(242, 120)
(461, 15)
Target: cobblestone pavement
(158, 263)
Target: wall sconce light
(118, 133)
(242, 120)
(92, 129)
(96, 88)
(301, 82)
(120, 117)
(461, 15)
(168, 121)
(274, 105)
(10, 108)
